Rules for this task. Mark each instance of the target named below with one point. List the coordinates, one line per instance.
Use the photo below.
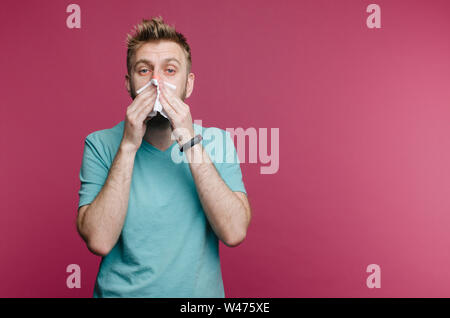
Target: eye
(171, 71)
(144, 71)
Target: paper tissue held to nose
(157, 107)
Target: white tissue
(157, 107)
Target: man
(156, 222)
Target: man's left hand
(179, 114)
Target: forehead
(156, 51)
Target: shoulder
(107, 135)
(106, 141)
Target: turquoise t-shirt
(167, 247)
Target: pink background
(364, 138)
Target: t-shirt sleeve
(93, 172)
(230, 168)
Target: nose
(155, 76)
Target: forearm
(103, 221)
(224, 210)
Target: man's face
(164, 60)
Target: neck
(158, 133)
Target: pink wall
(364, 125)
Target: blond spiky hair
(154, 30)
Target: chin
(159, 121)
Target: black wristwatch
(190, 143)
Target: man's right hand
(137, 117)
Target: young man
(154, 220)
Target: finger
(146, 92)
(173, 100)
(150, 88)
(146, 109)
(171, 94)
(143, 88)
(168, 108)
(138, 101)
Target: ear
(190, 84)
(127, 83)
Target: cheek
(140, 81)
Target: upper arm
(94, 170)
(243, 197)
(229, 166)
(81, 213)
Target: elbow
(235, 240)
(98, 248)
(236, 237)
(94, 244)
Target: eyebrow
(169, 59)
